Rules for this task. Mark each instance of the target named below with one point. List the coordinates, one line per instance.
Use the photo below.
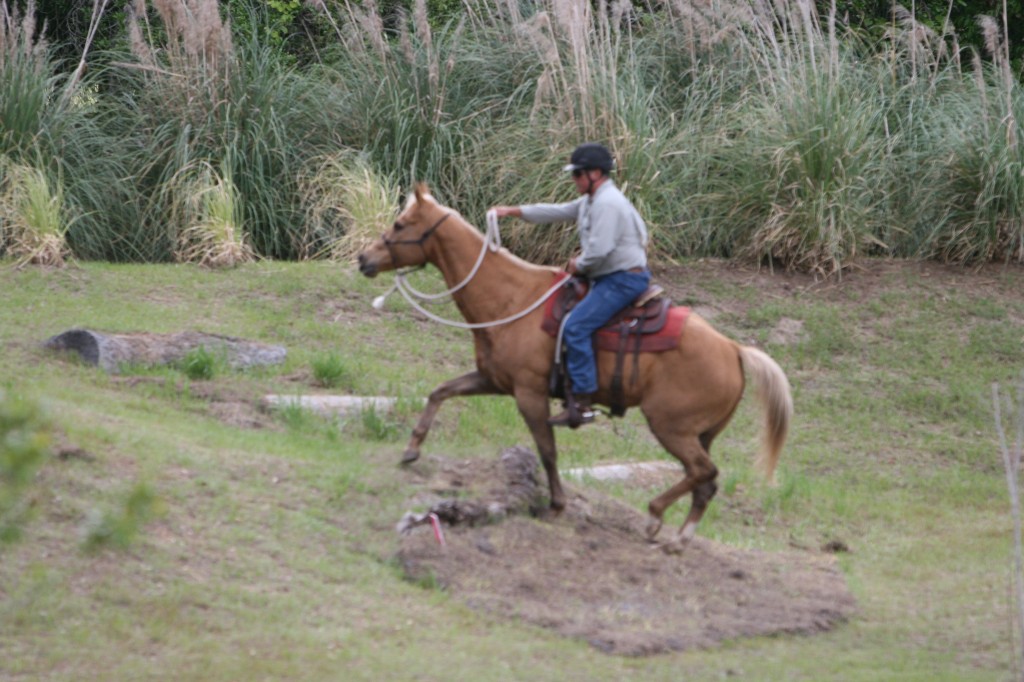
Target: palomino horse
(688, 395)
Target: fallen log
(112, 352)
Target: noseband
(389, 243)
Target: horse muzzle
(367, 267)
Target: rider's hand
(505, 211)
(571, 266)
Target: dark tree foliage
(874, 15)
(289, 25)
(300, 33)
(66, 25)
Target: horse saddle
(651, 324)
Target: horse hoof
(679, 543)
(653, 526)
(547, 513)
(409, 457)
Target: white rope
(492, 241)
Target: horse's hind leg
(473, 383)
(699, 479)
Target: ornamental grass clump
(32, 222)
(800, 173)
(982, 164)
(348, 205)
(584, 75)
(25, 83)
(816, 205)
(192, 63)
(213, 235)
(196, 95)
(62, 125)
(32, 216)
(394, 93)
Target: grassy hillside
(229, 543)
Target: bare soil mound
(589, 572)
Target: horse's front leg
(535, 409)
(473, 383)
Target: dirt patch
(231, 405)
(589, 573)
(787, 332)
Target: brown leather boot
(575, 414)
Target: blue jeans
(608, 295)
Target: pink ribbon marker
(435, 523)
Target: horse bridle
(388, 243)
(492, 242)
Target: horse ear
(421, 190)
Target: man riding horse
(613, 239)
(688, 391)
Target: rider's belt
(637, 270)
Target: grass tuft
(24, 444)
(200, 364)
(377, 424)
(214, 236)
(118, 529)
(32, 215)
(331, 371)
(348, 205)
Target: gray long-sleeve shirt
(612, 234)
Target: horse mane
(421, 194)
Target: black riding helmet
(591, 155)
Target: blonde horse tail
(776, 399)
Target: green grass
(119, 528)
(24, 443)
(331, 371)
(267, 553)
(199, 364)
